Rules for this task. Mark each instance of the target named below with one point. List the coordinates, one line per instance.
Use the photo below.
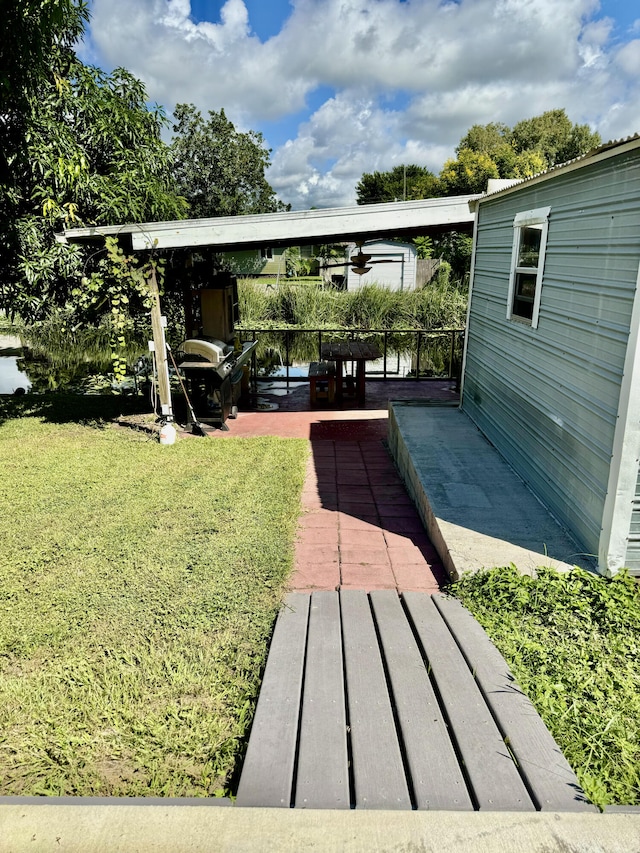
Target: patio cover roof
(410, 218)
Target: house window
(527, 265)
(266, 254)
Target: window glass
(527, 265)
(529, 246)
(524, 295)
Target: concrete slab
(126, 826)
(476, 509)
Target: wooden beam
(160, 347)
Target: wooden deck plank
(267, 773)
(378, 771)
(436, 778)
(493, 775)
(551, 781)
(322, 774)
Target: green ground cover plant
(573, 642)
(138, 588)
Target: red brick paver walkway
(359, 528)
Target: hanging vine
(117, 280)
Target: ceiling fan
(360, 263)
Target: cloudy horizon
(343, 87)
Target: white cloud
(628, 58)
(405, 80)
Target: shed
(551, 370)
(398, 274)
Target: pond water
(12, 374)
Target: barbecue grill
(213, 372)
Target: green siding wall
(548, 397)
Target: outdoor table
(355, 351)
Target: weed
(573, 642)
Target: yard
(138, 586)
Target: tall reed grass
(439, 305)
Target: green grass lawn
(138, 588)
(573, 642)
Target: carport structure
(224, 233)
(397, 219)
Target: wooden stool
(322, 382)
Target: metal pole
(384, 363)
(452, 353)
(158, 323)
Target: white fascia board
(623, 469)
(288, 227)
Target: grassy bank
(138, 585)
(573, 642)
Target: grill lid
(214, 351)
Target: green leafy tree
(553, 135)
(533, 145)
(219, 170)
(468, 174)
(91, 153)
(455, 248)
(424, 247)
(33, 30)
(402, 182)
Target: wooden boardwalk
(375, 701)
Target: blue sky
(343, 87)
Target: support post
(157, 324)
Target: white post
(158, 323)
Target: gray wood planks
(427, 736)
(323, 775)
(551, 781)
(436, 778)
(493, 775)
(267, 773)
(378, 772)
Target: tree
(468, 174)
(554, 136)
(33, 30)
(219, 170)
(495, 151)
(93, 155)
(402, 182)
(486, 138)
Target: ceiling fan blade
(385, 261)
(329, 266)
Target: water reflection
(12, 374)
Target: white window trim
(539, 216)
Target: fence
(411, 354)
